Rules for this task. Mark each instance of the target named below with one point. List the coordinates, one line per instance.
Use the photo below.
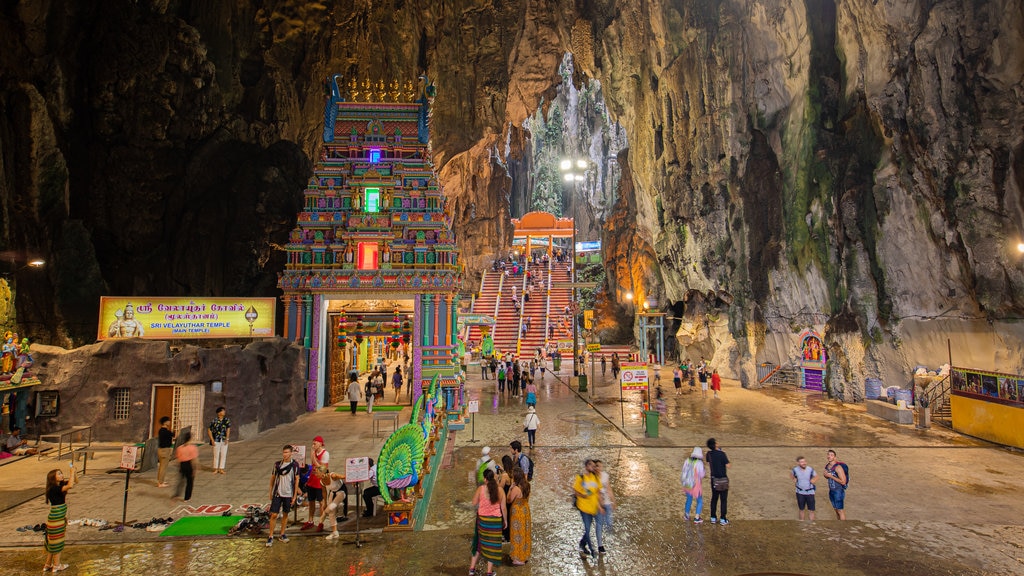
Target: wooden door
(163, 405)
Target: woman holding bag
(530, 425)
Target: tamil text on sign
(181, 318)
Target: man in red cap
(315, 486)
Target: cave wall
(263, 384)
(844, 166)
(855, 167)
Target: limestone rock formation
(850, 166)
(262, 385)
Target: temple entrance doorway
(365, 333)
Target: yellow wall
(988, 420)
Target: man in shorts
(836, 485)
(805, 477)
(284, 487)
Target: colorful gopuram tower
(373, 248)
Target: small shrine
(17, 381)
(813, 358)
(373, 248)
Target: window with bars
(122, 403)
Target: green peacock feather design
(400, 460)
(402, 455)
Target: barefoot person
(57, 487)
(521, 524)
(491, 518)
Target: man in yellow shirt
(588, 501)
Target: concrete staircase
(506, 332)
(537, 310)
(559, 299)
(484, 304)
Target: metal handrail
(937, 394)
(547, 312)
(777, 373)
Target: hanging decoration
(342, 330)
(406, 331)
(396, 333)
(359, 330)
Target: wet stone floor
(920, 503)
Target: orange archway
(542, 225)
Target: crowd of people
(502, 505)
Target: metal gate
(188, 408)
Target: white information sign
(128, 456)
(357, 469)
(474, 406)
(299, 454)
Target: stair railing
(778, 375)
(522, 307)
(497, 301)
(547, 308)
(936, 395)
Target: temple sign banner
(185, 318)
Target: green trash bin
(557, 362)
(651, 423)
(583, 382)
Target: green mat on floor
(201, 526)
(384, 408)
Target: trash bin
(557, 362)
(651, 423)
(582, 378)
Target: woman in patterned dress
(522, 523)
(491, 517)
(57, 521)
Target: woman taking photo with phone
(57, 487)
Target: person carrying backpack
(691, 479)
(484, 463)
(805, 477)
(522, 460)
(838, 475)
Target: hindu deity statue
(10, 352)
(125, 325)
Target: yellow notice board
(185, 318)
(988, 420)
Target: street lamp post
(574, 171)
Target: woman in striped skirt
(491, 517)
(57, 521)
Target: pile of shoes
(154, 525)
(29, 528)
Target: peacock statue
(402, 455)
(400, 460)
